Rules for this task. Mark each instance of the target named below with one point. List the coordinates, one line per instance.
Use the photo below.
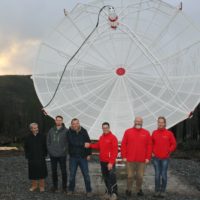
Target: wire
(87, 38)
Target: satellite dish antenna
(180, 7)
(144, 63)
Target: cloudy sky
(25, 23)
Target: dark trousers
(160, 166)
(74, 162)
(63, 168)
(109, 178)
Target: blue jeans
(74, 162)
(161, 167)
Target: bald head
(138, 122)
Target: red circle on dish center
(120, 71)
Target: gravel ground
(184, 182)
(188, 171)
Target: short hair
(32, 124)
(59, 116)
(74, 119)
(105, 124)
(163, 118)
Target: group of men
(138, 147)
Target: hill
(19, 106)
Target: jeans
(135, 170)
(74, 162)
(109, 178)
(62, 163)
(160, 166)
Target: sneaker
(106, 196)
(42, 189)
(70, 192)
(64, 191)
(32, 189)
(156, 194)
(54, 189)
(140, 193)
(128, 193)
(89, 194)
(162, 195)
(113, 196)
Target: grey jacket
(57, 143)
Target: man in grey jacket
(57, 146)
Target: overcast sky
(24, 24)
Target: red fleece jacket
(136, 145)
(164, 143)
(108, 147)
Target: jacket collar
(61, 128)
(162, 130)
(35, 134)
(78, 131)
(137, 129)
(106, 134)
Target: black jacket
(77, 141)
(35, 147)
(35, 152)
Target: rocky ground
(184, 181)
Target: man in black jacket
(57, 146)
(79, 155)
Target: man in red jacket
(164, 143)
(108, 147)
(136, 150)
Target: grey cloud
(32, 20)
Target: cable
(87, 38)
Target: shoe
(106, 196)
(32, 189)
(89, 194)
(42, 185)
(156, 194)
(70, 192)
(64, 191)
(140, 193)
(53, 189)
(113, 196)
(128, 193)
(162, 195)
(42, 189)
